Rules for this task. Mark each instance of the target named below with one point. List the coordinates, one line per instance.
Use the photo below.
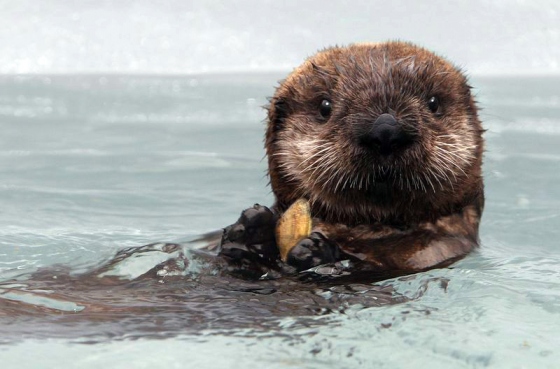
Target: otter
(385, 144)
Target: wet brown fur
(409, 211)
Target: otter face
(374, 132)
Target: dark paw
(251, 238)
(313, 251)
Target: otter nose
(385, 135)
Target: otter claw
(313, 251)
(252, 236)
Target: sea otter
(384, 143)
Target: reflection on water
(185, 292)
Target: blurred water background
(125, 124)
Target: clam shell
(294, 225)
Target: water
(93, 165)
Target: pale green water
(90, 165)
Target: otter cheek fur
(384, 142)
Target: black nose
(385, 135)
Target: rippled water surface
(93, 166)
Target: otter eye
(325, 108)
(433, 104)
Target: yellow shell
(294, 225)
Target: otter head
(375, 133)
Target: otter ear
(277, 113)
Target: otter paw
(252, 236)
(313, 251)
